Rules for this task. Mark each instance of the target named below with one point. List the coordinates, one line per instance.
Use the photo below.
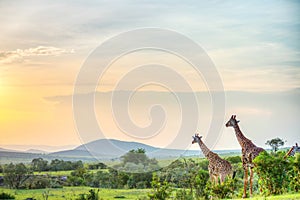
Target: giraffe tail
(233, 174)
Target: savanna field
(185, 178)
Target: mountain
(36, 151)
(7, 150)
(45, 148)
(102, 149)
(111, 148)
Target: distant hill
(36, 151)
(102, 149)
(7, 150)
(111, 148)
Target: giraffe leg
(217, 180)
(245, 181)
(212, 178)
(222, 178)
(251, 180)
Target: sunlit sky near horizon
(254, 46)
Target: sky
(253, 45)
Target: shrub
(4, 195)
(224, 190)
(160, 190)
(183, 195)
(92, 195)
(273, 172)
(295, 173)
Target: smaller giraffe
(217, 167)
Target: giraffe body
(217, 167)
(249, 152)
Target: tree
(275, 144)
(137, 161)
(16, 175)
(39, 164)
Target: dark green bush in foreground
(4, 195)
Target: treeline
(184, 178)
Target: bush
(92, 195)
(295, 173)
(160, 190)
(37, 182)
(4, 195)
(272, 172)
(224, 190)
(183, 195)
(200, 182)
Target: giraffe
(249, 152)
(292, 151)
(217, 167)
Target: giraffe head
(232, 121)
(196, 138)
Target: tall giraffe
(217, 167)
(249, 152)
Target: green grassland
(69, 193)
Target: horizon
(254, 47)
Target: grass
(69, 193)
(277, 197)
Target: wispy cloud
(19, 54)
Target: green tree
(15, 175)
(135, 156)
(275, 144)
(136, 161)
(39, 164)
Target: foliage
(37, 182)
(92, 195)
(39, 164)
(161, 190)
(275, 144)
(295, 173)
(4, 195)
(272, 172)
(15, 175)
(97, 166)
(200, 183)
(183, 195)
(137, 161)
(61, 165)
(234, 159)
(224, 190)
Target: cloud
(19, 54)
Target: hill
(102, 149)
(111, 148)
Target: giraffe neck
(241, 138)
(204, 148)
